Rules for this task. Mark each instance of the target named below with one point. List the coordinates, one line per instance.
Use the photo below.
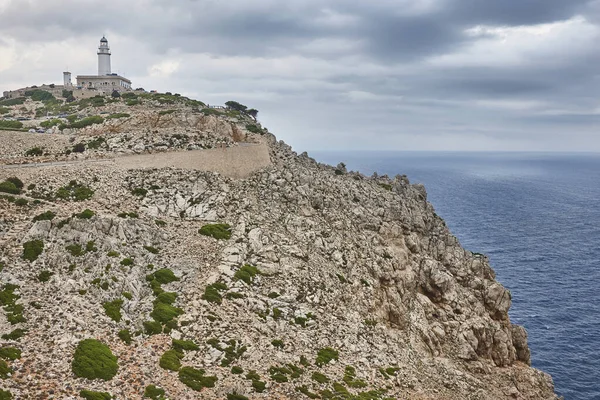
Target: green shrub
(21, 202)
(96, 143)
(277, 343)
(85, 214)
(187, 345)
(252, 375)
(160, 223)
(16, 181)
(90, 247)
(13, 102)
(217, 231)
(212, 293)
(164, 313)
(151, 249)
(113, 309)
(11, 124)
(45, 276)
(273, 295)
(113, 254)
(32, 250)
(246, 274)
(154, 393)
(10, 353)
(91, 395)
(125, 336)
(5, 395)
(96, 119)
(75, 249)
(126, 262)
(127, 295)
(277, 313)
(78, 148)
(258, 385)
(304, 390)
(166, 297)
(74, 192)
(165, 276)
(237, 370)
(350, 378)
(94, 360)
(152, 327)
(34, 152)
(40, 95)
(325, 355)
(195, 378)
(171, 360)
(15, 334)
(5, 370)
(319, 377)
(45, 216)
(9, 187)
(253, 128)
(234, 295)
(139, 192)
(50, 123)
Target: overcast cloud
(341, 74)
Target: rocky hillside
(301, 280)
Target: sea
(537, 217)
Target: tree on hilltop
(234, 105)
(252, 112)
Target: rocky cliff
(298, 280)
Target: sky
(450, 75)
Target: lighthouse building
(105, 80)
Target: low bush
(34, 152)
(32, 250)
(126, 262)
(154, 393)
(186, 345)
(237, 370)
(325, 355)
(259, 385)
(45, 276)
(113, 309)
(171, 360)
(75, 249)
(246, 274)
(139, 192)
(5, 395)
(125, 336)
(94, 360)
(21, 202)
(74, 192)
(85, 214)
(236, 396)
(277, 343)
(118, 115)
(78, 148)
(9, 187)
(319, 377)
(164, 313)
(91, 395)
(16, 181)
(15, 334)
(195, 378)
(45, 216)
(254, 128)
(217, 231)
(82, 123)
(10, 353)
(151, 249)
(212, 293)
(152, 327)
(11, 124)
(5, 370)
(165, 276)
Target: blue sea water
(537, 216)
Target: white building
(105, 80)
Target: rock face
(325, 272)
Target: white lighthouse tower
(103, 57)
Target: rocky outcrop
(325, 272)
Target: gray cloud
(341, 73)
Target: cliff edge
(258, 273)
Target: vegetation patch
(165, 276)
(5, 370)
(75, 249)
(212, 293)
(113, 309)
(319, 377)
(34, 152)
(171, 360)
(217, 231)
(305, 391)
(236, 396)
(237, 370)
(10, 353)
(187, 345)
(277, 343)
(5, 395)
(164, 313)
(247, 273)
(45, 276)
(125, 336)
(350, 378)
(15, 334)
(94, 360)
(139, 192)
(45, 216)
(32, 250)
(8, 299)
(74, 192)
(151, 249)
(91, 395)
(85, 214)
(195, 378)
(9, 187)
(326, 355)
(126, 262)
(152, 327)
(153, 392)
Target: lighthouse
(103, 58)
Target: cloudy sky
(341, 74)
